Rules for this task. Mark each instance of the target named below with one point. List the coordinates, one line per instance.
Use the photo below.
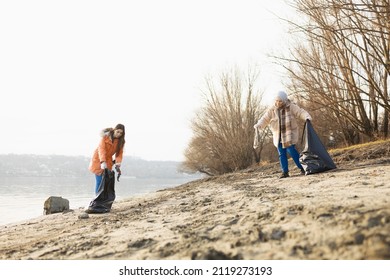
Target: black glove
(118, 170)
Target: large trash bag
(314, 158)
(105, 196)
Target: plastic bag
(105, 196)
(314, 158)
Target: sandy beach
(251, 214)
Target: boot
(303, 172)
(284, 175)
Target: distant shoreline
(77, 166)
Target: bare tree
(223, 131)
(342, 69)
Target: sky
(68, 69)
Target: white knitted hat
(282, 96)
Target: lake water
(22, 198)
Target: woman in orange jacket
(111, 143)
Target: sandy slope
(342, 214)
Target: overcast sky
(71, 68)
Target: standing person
(111, 143)
(282, 119)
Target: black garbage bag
(105, 196)
(314, 157)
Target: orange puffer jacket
(104, 152)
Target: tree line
(338, 69)
(341, 68)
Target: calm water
(23, 198)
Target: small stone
(83, 216)
(359, 238)
(278, 234)
(374, 221)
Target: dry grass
(360, 146)
(359, 153)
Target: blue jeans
(283, 156)
(98, 181)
